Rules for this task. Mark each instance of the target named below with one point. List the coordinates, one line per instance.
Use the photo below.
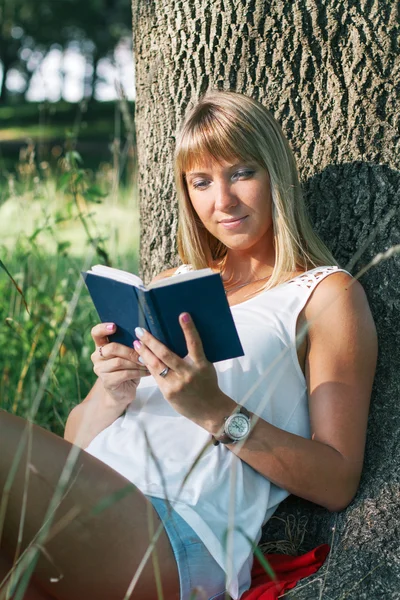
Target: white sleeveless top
(221, 488)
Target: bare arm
(91, 416)
(340, 368)
(100, 408)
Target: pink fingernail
(186, 317)
(137, 345)
(110, 327)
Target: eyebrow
(195, 174)
(202, 173)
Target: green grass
(50, 132)
(49, 125)
(44, 117)
(46, 219)
(53, 224)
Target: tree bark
(329, 72)
(94, 78)
(3, 87)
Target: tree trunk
(90, 77)
(95, 62)
(3, 87)
(329, 71)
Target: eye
(243, 174)
(200, 184)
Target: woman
(290, 415)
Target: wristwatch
(236, 428)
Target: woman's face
(233, 201)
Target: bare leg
(96, 555)
(32, 593)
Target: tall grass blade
(108, 501)
(15, 284)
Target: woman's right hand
(116, 365)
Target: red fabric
(288, 570)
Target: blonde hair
(226, 126)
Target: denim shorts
(200, 576)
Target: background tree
(28, 30)
(96, 26)
(18, 20)
(329, 71)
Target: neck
(236, 268)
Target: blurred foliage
(27, 339)
(29, 29)
(54, 222)
(64, 114)
(103, 131)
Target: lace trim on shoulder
(310, 278)
(183, 269)
(305, 280)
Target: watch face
(237, 426)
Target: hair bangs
(212, 136)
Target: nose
(224, 196)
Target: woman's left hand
(191, 384)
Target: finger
(113, 349)
(150, 360)
(154, 353)
(193, 339)
(119, 364)
(100, 332)
(114, 380)
(121, 376)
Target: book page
(117, 275)
(182, 277)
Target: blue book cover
(121, 298)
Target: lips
(232, 219)
(232, 223)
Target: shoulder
(337, 287)
(165, 274)
(339, 303)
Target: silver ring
(100, 349)
(164, 372)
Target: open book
(122, 298)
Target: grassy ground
(47, 272)
(93, 126)
(49, 120)
(58, 217)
